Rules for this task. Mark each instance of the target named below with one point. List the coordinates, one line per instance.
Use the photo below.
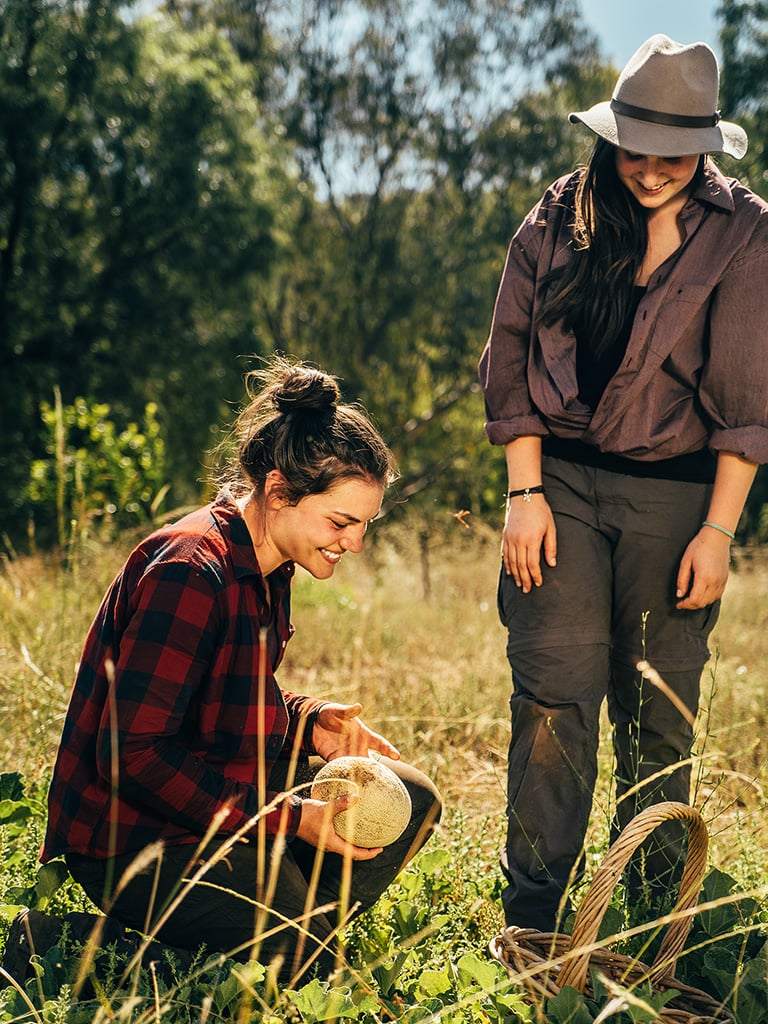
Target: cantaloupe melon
(383, 809)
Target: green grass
(412, 632)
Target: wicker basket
(544, 962)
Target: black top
(593, 374)
(594, 371)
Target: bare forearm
(703, 571)
(733, 480)
(523, 457)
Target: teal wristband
(721, 529)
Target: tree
(744, 98)
(140, 200)
(743, 89)
(153, 229)
(424, 132)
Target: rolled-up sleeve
(734, 384)
(510, 413)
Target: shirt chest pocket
(682, 316)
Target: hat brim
(659, 139)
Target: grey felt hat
(665, 104)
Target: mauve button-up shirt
(695, 372)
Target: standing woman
(177, 729)
(626, 375)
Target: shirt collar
(714, 189)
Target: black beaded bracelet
(526, 492)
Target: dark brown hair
(594, 289)
(296, 423)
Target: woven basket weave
(544, 962)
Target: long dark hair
(593, 291)
(296, 423)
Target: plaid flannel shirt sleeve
(165, 653)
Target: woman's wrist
(720, 528)
(524, 492)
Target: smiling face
(317, 531)
(657, 182)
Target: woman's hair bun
(305, 389)
(296, 423)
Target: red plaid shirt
(193, 704)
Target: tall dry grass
(410, 629)
(432, 673)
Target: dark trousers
(576, 640)
(223, 911)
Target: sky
(622, 27)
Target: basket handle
(595, 903)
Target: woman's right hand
(529, 529)
(316, 827)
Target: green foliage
(337, 181)
(408, 956)
(732, 938)
(418, 955)
(95, 471)
(744, 96)
(26, 882)
(426, 146)
(155, 230)
(569, 1007)
(641, 1005)
(139, 195)
(319, 1001)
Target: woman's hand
(316, 827)
(703, 571)
(529, 528)
(339, 732)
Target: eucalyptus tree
(744, 88)
(744, 98)
(140, 199)
(424, 130)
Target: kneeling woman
(180, 752)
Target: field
(410, 629)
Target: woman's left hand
(339, 732)
(703, 571)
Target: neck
(670, 211)
(255, 519)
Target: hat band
(657, 117)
